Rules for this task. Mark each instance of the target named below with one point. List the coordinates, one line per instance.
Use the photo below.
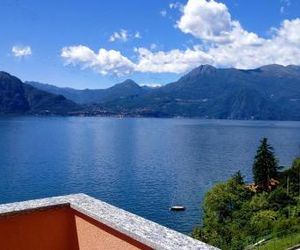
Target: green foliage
(220, 211)
(238, 178)
(259, 202)
(265, 166)
(279, 199)
(281, 242)
(285, 226)
(234, 217)
(263, 221)
(290, 178)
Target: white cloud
(137, 35)
(153, 46)
(163, 13)
(152, 85)
(172, 6)
(289, 32)
(103, 62)
(21, 51)
(212, 22)
(176, 5)
(207, 20)
(223, 42)
(247, 52)
(123, 36)
(282, 48)
(285, 4)
(174, 61)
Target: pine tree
(265, 166)
(238, 178)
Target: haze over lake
(141, 165)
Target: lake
(141, 165)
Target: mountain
(125, 89)
(17, 97)
(271, 92)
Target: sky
(95, 44)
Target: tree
(235, 218)
(265, 166)
(290, 178)
(223, 214)
(238, 178)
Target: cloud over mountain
(222, 42)
(104, 61)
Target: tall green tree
(265, 166)
(223, 214)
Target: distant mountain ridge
(271, 92)
(17, 97)
(88, 96)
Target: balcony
(82, 222)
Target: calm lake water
(141, 165)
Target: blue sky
(149, 41)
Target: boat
(177, 208)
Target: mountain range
(89, 96)
(270, 92)
(17, 97)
